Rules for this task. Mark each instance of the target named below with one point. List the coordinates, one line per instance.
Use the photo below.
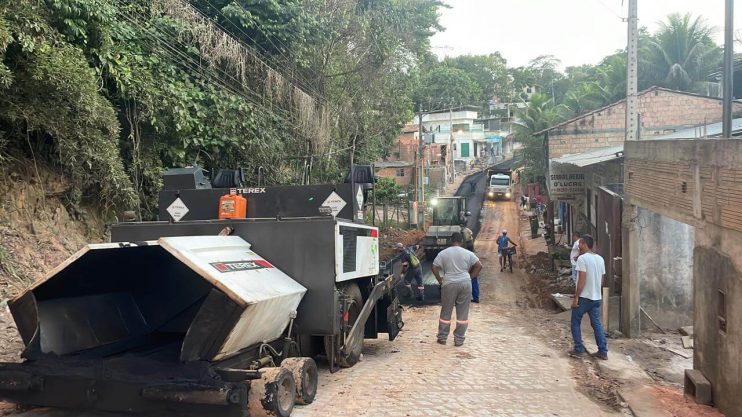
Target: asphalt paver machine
(195, 316)
(449, 216)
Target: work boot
(458, 343)
(442, 341)
(600, 355)
(475, 300)
(421, 294)
(575, 354)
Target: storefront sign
(567, 185)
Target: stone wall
(662, 112)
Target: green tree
(387, 191)
(445, 86)
(682, 53)
(540, 114)
(489, 72)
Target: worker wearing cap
(411, 268)
(502, 243)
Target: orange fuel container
(232, 206)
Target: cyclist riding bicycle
(502, 243)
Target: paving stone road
(503, 369)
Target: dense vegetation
(114, 91)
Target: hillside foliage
(112, 92)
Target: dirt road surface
(503, 369)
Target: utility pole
(421, 182)
(632, 100)
(728, 77)
(450, 152)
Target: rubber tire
(305, 375)
(351, 290)
(273, 395)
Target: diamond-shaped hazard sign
(177, 209)
(335, 203)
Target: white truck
(499, 187)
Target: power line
(266, 56)
(191, 65)
(613, 12)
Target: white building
(456, 125)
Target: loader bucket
(209, 296)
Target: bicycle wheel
(510, 262)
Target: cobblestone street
(503, 369)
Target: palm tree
(540, 114)
(682, 54)
(584, 97)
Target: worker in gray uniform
(454, 268)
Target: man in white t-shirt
(455, 268)
(574, 254)
(588, 298)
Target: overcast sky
(575, 31)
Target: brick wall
(662, 112)
(402, 181)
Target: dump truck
(500, 187)
(196, 316)
(449, 216)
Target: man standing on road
(502, 243)
(588, 298)
(458, 268)
(574, 254)
(411, 269)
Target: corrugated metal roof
(710, 130)
(593, 157)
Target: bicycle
(508, 254)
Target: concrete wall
(662, 111)
(698, 182)
(718, 352)
(665, 268)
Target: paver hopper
(142, 327)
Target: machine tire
(351, 290)
(304, 371)
(273, 395)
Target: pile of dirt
(392, 235)
(544, 281)
(37, 229)
(678, 405)
(11, 344)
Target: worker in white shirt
(574, 254)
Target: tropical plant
(540, 114)
(682, 53)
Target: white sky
(575, 31)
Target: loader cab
(449, 211)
